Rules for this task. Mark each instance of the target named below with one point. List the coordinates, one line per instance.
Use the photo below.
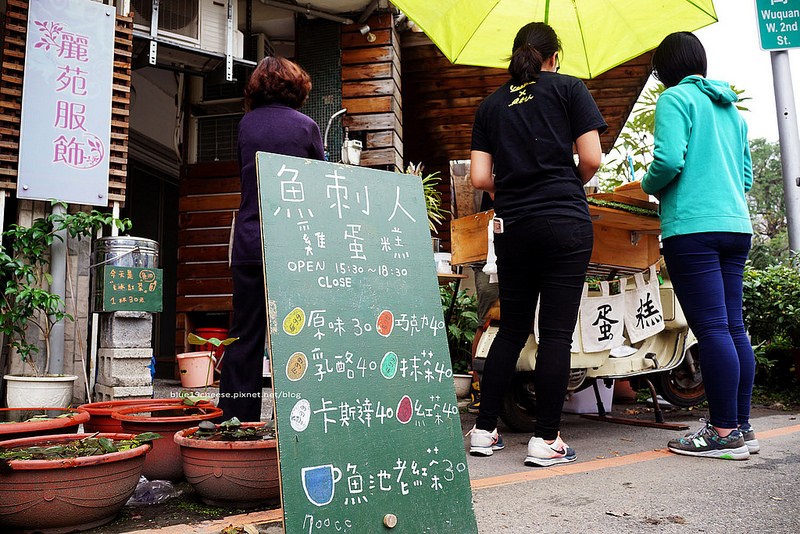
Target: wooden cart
(624, 242)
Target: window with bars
(217, 138)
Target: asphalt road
(625, 481)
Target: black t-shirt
(529, 129)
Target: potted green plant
(24, 422)
(29, 310)
(463, 312)
(164, 462)
(100, 412)
(233, 463)
(68, 482)
(433, 197)
(197, 368)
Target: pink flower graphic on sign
(76, 154)
(52, 33)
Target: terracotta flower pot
(230, 473)
(101, 420)
(164, 461)
(69, 494)
(15, 424)
(196, 368)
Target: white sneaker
(543, 454)
(483, 442)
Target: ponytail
(526, 64)
(535, 42)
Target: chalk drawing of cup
(319, 483)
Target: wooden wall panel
(209, 197)
(11, 79)
(371, 92)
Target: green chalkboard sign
(368, 426)
(131, 289)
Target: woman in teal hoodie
(700, 173)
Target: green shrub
(772, 303)
(772, 316)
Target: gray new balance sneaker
(749, 436)
(708, 443)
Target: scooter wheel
(683, 385)
(519, 404)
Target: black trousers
(240, 383)
(545, 259)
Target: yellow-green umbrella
(596, 35)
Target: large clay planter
(70, 494)
(230, 473)
(101, 420)
(164, 461)
(15, 422)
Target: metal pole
(58, 269)
(789, 141)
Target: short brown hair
(277, 80)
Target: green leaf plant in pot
(197, 368)
(461, 330)
(68, 482)
(29, 310)
(232, 463)
(433, 197)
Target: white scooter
(669, 358)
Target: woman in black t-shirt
(522, 154)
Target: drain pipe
(306, 11)
(58, 268)
(368, 11)
(327, 129)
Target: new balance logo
(699, 442)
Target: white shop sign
(65, 128)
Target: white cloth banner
(602, 318)
(644, 315)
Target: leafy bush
(772, 316)
(772, 303)
(461, 327)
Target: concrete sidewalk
(624, 481)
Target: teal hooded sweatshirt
(701, 162)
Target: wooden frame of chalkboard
(369, 432)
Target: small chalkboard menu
(131, 289)
(369, 435)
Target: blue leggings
(706, 270)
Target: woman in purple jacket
(276, 89)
